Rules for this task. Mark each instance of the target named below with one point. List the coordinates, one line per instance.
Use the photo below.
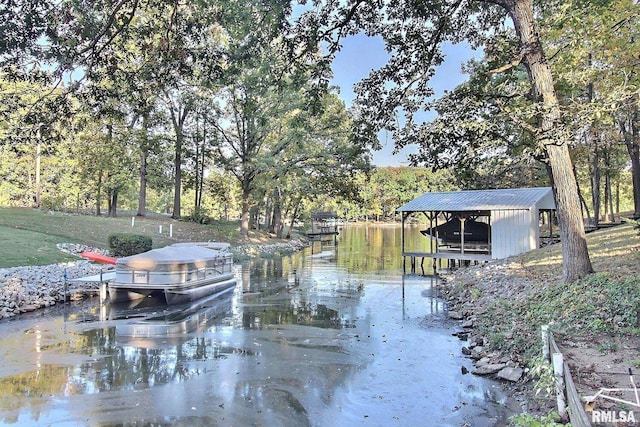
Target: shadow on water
(335, 335)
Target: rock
(476, 340)
(478, 353)
(467, 324)
(466, 351)
(455, 315)
(483, 362)
(464, 370)
(463, 336)
(489, 369)
(510, 374)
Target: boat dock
(452, 257)
(323, 224)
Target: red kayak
(103, 259)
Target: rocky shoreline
(469, 292)
(28, 288)
(464, 308)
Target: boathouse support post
(402, 240)
(462, 221)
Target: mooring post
(102, 288)
(66, 285)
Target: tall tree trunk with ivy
(552, 138)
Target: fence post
(545, 343)
(558, 371)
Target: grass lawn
(23, 247)
(29, 236)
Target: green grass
(604, 303)
(29, 236)
(22, 247)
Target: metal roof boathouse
(480, 225)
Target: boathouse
(323, 224)
(480, 225)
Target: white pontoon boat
(177, 273)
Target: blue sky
(360, 54)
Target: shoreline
(479, 296)
(468, 293)
(28, 288)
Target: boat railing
(177, 276)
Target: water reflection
(323, 337)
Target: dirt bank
(596, 323)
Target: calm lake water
(321, 338)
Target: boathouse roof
(482, 200)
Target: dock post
(103, 293)
(66, 286)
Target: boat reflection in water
(147, 323)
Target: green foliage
(634, 223)
(598, 303)
(607, 347)
(125, 244)
(542, 373)
(528, 420)
(199, 216)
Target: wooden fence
(568, 400)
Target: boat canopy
(173, 258)
(449, 232)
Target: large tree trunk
(196, 184)
(595, 183)
(277, 212)
(632, 141)
(113, 203)
(142, 195)
(99, 194)
(294, 217)
(177, 187)
(576, 262)
(246, 207)
(144, 155)
(179, 114)
(38, 189)
(608, 203)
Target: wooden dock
(471, 256)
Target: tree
(595, 45)
(413, 33)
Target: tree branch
(517, 61)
